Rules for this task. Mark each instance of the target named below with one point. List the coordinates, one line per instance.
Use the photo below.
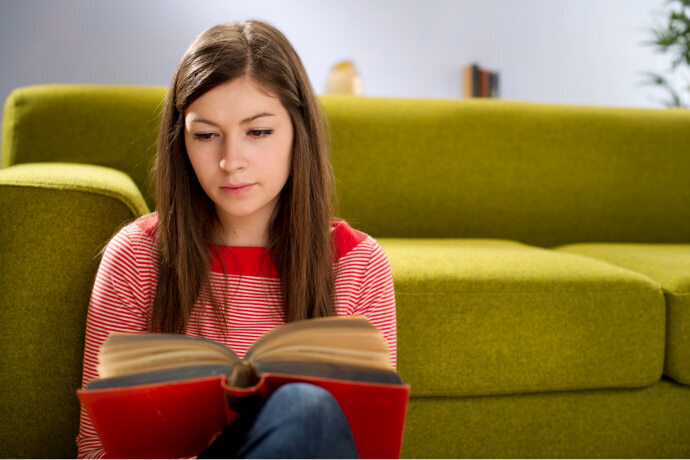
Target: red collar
(256, 261)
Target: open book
(169, 395)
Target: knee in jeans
(303, 393)
(301, 421)
(314, 401)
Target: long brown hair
(299, 231)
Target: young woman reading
(243, 238)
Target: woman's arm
(376, 300)
(117, 305)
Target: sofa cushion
(669, 265)
(479, 317)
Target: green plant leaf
(672, 38)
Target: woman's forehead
(237, 101)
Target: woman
(243, 239)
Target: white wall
(558, 51)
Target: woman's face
(239, 142)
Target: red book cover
(181, 418)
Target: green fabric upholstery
(513, 349)
(669, 265)
(650, 422)
(541, 174)
(54, 219)
(555, 174)
(482, 317)
(113, 126)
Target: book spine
(484, 83)
(467, 83)
(239, 400)
(494, 85)
(475, 80)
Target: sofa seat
(668, 265)
(489, 317)
(650, 422)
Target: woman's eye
(204, 136)
(259, 133)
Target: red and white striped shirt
(125, 286)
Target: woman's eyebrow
(246, 120)
(203, 120)
(254, 117)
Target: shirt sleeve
(376, 300)
(116, 305)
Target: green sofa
(540, 253)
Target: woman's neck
(241, 237)
(241, 233)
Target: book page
(345, 340)
(124, 354)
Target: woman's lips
(234, 191)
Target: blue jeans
(299, 420)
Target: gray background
(587, 52)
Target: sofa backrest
(114, 126)
(537, 173)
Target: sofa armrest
(54, 220)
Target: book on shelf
(170, 395)
(479, 82)
(483, 83)
(493, 85)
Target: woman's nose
(232, 156)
